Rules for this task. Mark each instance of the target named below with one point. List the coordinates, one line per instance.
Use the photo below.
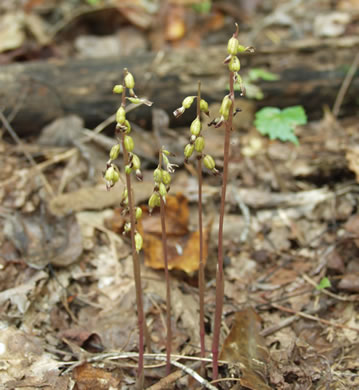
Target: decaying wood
(311, 73)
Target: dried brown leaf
(91, 378)
(245, 346)
(183, 247)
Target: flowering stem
(168, 290)
(136, 266)
(219, 272)
(201, 278)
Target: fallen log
(311, 72)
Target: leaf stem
(136, 267)
(167, 277)
(219, 272)
(201, 276)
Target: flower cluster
(234, 65)
(125, 144)
(196, 141)
(162, 179)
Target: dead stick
(345, 85)
(313, 318)
(166, 381)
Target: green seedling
(323, 284)
(204, 7)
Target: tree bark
(311, 73)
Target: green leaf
(258, 73)
(324, 283)
(280, 124)
(204, 7)
(295, 115)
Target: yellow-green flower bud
(241, 49)
(112, 175)
(187, 102)
(121, 115)
(188, 150)
(203, 106)
(225, 107)
(134, 100)
(129, 81)
(118, 88)
(154, 201)
(199, 144)
(138, 213)
(128, 143)
(157, 175)
(209, 162)
(138, 242)
(162, 190)
(127, 227)
(232, 46)
(234, 64)
(136, 162)
(166, 161)
(196, 126)
(124, 197)
(166, 177)
(115, 151)
(128, 127)
(128, 169)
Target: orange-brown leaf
(245, 346)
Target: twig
(326, 292)
(132, 355)
(345, 85)
(226, 380)
(160, 357)
(282, 324)
(313, 318)
(194, 375)
(166, 381)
